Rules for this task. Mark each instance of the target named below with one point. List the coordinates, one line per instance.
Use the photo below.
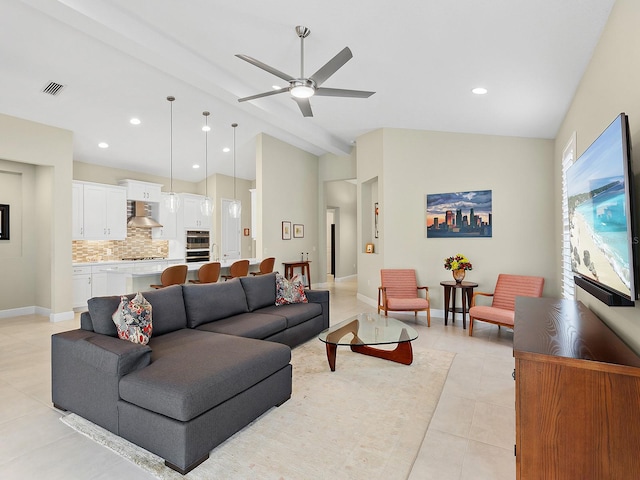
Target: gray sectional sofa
(218, 358)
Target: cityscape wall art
(459, 214)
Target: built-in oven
(197, 246)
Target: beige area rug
(366, 420)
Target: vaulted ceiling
(119, 59)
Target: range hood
(140, 215)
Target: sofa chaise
(217, 359)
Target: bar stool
(173, 275)
(266, 266)
(208, 273)
(238, 268)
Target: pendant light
(235, 207)
(206, 206)
(173, 200)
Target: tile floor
(471, 435)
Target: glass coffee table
(364, 330)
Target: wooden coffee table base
(403, 353)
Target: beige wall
(608, 87)
(42, 268)
(334, 168)
(518, 171)
(87, 172)
(17, 184)
(370, 157)
(341, 196)
(287, 186)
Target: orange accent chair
(208, 273)
(266, 266)
(173, 275)
(398, 292)
(239, 268)
(502, 309)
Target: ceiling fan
(302, 88)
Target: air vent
(53, 88)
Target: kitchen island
(139, 277)
(120, 277)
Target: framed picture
(4, 222)
(459, 214)
(286, 230)
(298, 230)
(369, 248)
(376, 212)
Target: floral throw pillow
(133, 319)
(289, 291)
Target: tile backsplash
(137, 244)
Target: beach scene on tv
(598, 213)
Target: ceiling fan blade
(265, 67)
(265, 94)
(332, 66)
(340, 92)
(305, 106)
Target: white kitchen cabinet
(77, 204)
(168, 220)
(104, 212)
(192, 215)
(142, 191)
(81, 286)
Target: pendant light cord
(206, 154)
(171, 99)
(234, 125)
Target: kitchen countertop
(141, 268)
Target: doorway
(230, 234)
(331, 242)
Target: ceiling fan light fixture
(302, 88)
(302, 91)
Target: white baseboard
(35, 310)
(345, 279)
(17, 312)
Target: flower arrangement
(457, 262)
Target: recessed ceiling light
(206, 128)
(196, 166)
(226, 149)
(276, 87)
(134, 121)
(479, 91)
(103, 145)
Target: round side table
(467, 293)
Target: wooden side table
(303, 265)
(467, 291)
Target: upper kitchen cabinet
(104, 211)
(168, 220)
(192, 215)
(142, 191)
(77, 215)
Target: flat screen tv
(601, 204)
